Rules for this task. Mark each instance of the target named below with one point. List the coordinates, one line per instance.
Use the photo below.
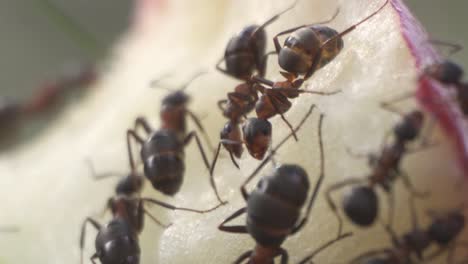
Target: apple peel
(433, 95)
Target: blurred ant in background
(442, 232)
(360, 204)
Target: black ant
(117, 242)
(273, 208)
(163, 150)
(360, 204)
(450, 73)
(310, 47)
(443, 231)
(245, 52)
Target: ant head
(446, 72)
(445, 228)
(130, 184)
(257, 136)
(360, 204)
(176, 98)
(289, 183)
(299, 50)
(116, 243)
(410, 127)
(165, 172)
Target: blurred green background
(34, 47)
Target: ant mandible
(245, 52)
(360, 204)
(310, 47)
(163, 150)
(273, 208)
(443, 231)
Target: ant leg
(261, 79)
(409, 185)
(284, 256)
(96, 225)
(319, 181)
(187, 140)
(391, 207)
(171, 207)
(454, 48)
(263, 64)
(389, 105)
(225, 141)
(243, 257)
(218, 67)
(93, 257)
(143, 122)
(275, 106)
(134, 135)
(359, 259)
(221, 103)
(155, 219)
(234, 229)
(318, 57)
(100, 176)
(331, 203)
(272, 153)
(319, 93)
(324, 246)
(197, 122)
(276, 16)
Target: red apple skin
(432, 95)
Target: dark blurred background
(36, 44)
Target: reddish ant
(361, 204)
(273, 208)
(245, 52)
(163, 150)
(443, 231)
(117, 242)
(311, 47)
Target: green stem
(69, 26)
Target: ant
(245, 52)
(443, 231)
(163, 150)
(117, 242)
(311, 47)
(273, 208)
(450, 73)
(360, 204)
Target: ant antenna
(156, 83)
(275, 17)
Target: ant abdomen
(165, 172)
(299, 50)
(333, 48)
(231, 131)
(257, 136)
(360, 204)
(116, 243)
(242, 58)
(274, 207)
